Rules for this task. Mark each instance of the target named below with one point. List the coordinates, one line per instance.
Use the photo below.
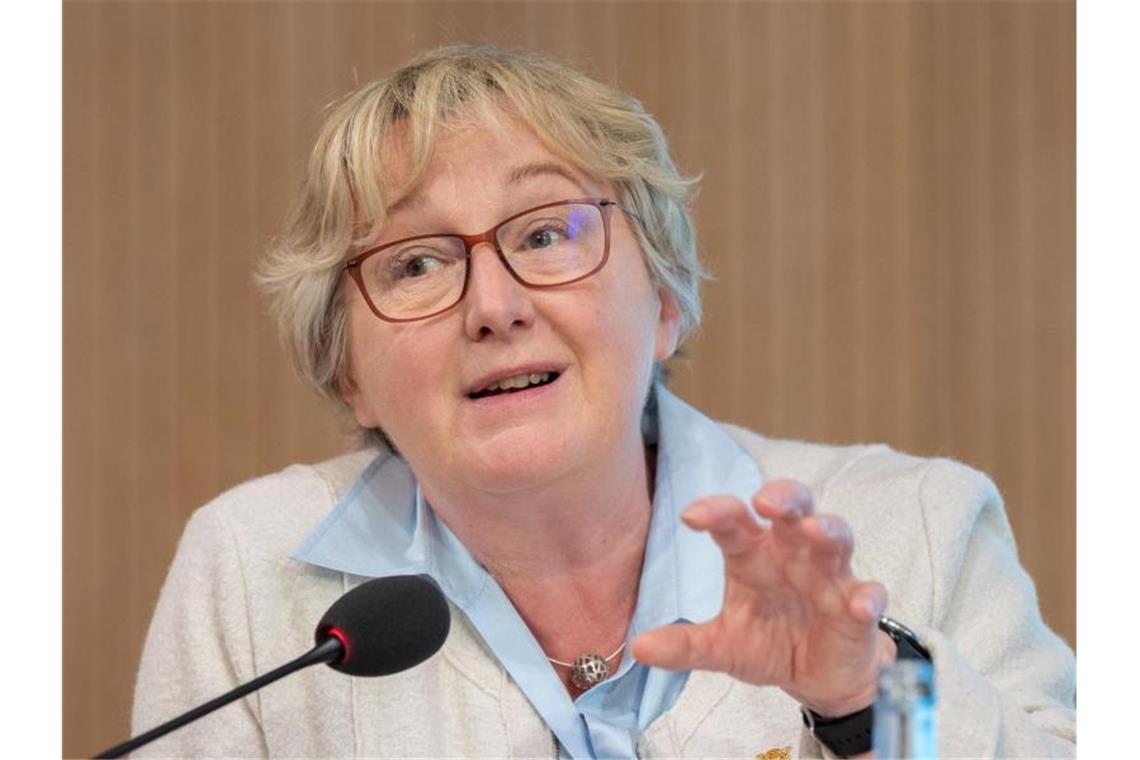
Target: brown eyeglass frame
(604, 206)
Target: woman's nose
(496, 304)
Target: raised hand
(794, 616)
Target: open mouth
(515, 384)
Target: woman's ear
(668, 326)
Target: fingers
(674, 647)
(818, 562)
(783, 500)
(727, 520)
(789, 505)
(832, 542)
(827, 539)
(867, 602)
(795, 550)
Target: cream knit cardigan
(933, 531)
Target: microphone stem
(327, 651)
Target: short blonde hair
(342, 203)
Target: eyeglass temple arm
(617, 205)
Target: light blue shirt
(383, 526)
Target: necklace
(588, 670)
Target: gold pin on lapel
(776, 753)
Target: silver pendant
(588, 671)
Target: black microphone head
(387, 625)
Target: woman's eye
(544, 238)
(413, 263)
(418, 266)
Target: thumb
(682, 646)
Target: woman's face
(601, 334)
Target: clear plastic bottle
(905, 723)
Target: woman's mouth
(515, 383)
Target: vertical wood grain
(888, 209)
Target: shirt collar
(375, 529)
(382, 526)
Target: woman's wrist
(863, 696)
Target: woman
(491, 258)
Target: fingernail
(775, 506)
(696, 512)
(873, 608)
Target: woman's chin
(519, 460)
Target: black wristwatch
(850, 735)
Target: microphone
(381, 627)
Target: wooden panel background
(889, 205)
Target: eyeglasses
(543, 247)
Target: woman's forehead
(411, 144)
(504, 156)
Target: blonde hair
(342, 203)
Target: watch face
(909, 647)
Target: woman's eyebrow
(406, 202)
(539, 169)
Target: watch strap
(846, 735)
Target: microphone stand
(331, 649)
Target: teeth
(519, 381)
